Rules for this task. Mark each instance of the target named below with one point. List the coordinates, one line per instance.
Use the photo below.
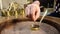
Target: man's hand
(35, 13)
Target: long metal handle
(43, 15)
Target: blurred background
(45, 4)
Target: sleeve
(27, 10)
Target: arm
(38, 13)
(33, 10)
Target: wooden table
(48, 19)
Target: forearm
(37, 16)
(38, 13)
(33, 17)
